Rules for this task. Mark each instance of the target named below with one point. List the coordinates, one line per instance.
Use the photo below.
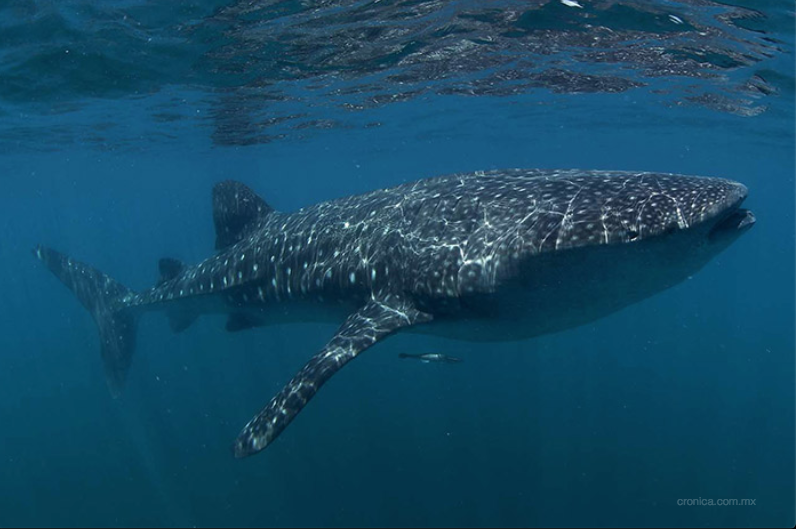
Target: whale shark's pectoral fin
(373, 322)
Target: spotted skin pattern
(390, 259)
(444, 237)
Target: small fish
(432, 357)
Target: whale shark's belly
(562, 290)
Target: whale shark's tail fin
(109, 303)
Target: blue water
(110, 155)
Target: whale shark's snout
(731, 220)
(714, 199)
(686, 203)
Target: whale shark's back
(460, 234)
(553, 209)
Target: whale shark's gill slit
(376, 320)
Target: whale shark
(484, 256)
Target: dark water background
(110, 155)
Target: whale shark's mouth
(735, 222)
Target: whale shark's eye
(632, 234)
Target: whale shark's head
(619, 208)
(599, 241)
(687, 219)
(675, 221)
(702, 208)
(712, 219)
(681, 220)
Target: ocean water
(116, 119)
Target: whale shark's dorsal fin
(236, 211)
(376, 320)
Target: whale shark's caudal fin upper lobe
(109, 303)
